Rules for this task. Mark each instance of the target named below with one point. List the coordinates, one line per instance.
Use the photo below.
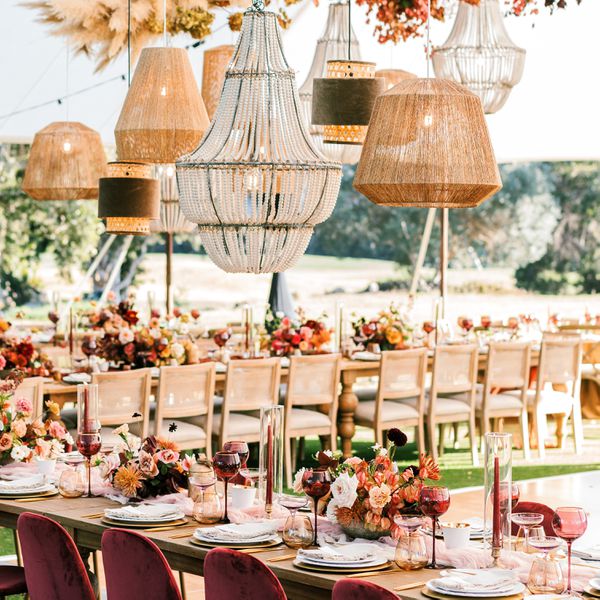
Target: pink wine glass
(434, 502)
(569, 524)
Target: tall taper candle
(496, 515)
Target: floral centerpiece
(366, 495)
(111, 318)
(24, 356)
(23, 437)
(141, 469)
(287, 336)
(390, 329)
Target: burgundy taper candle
(269, 491)
(496, 516)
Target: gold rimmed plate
(47, 494)
(342, 570)
(142, 524)
(202, 544)
(590, 591)
(439, 596)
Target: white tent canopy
(551, 115)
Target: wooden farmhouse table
(351, 370)
(568, 490)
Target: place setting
(27, 488)
(240, 536)
(145, 516)
(346, 560)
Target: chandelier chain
(349, 29)
(428, 49)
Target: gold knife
(409, 586)
(375, 573)
(169, 527)
(280, 558)
(32, 499)
(259, 550)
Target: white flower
(379, 450)
(298, 481)
(280, 314)
(109, 464)
(131, 443)
(68, 439)
(122, 430)
(343, 490)
(56, 448)
(20, 453)
(332, 506)
(155, 333)
(177, 350)
(125, 336)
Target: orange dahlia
(129, 480)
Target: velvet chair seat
(54, 569)
(12, 581)
(135, 568)
(232, 575)
(351, 589)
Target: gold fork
(280, 558)
(408, 586)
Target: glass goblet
(569, 523)
(316, 483)
(434, 501)
(241, 448)
(297, 530)
(546, 576)
(526, 521)
(226, 466)
(71, 483)
(411, 551)
(207, 507)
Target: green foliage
(31, 230)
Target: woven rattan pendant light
(65, 162)
(163, 116)
(332, 45)
(256, 185)
(343, 100)
(393, 77)
(428, 146)
(213, 75)
(480, 54)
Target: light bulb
(163, 91)
(170, 172)
(67, 147)
(428, 120)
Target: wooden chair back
(454, 369)
(508, 365)
(251, 384)
(123, 396)
(560, 361)
(313, 380)
(401, 374)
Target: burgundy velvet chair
(12, 581)
(232, 575)
(54, 569)
(535, 507)
(352, 589)
(135, 568)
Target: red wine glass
(569, 523)
(89, 445)
(486, 321)
(242, 451)
(316, 483)
(226, 465)
(434, 502)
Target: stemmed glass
(226, 465)
(434, 502)
(411, 552)
(526, 521)
(297, 530)
(206, 510)
(569, 523)
(243, 452)
(316, 483)
(545, 576)
(88, 426)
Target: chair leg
(431, 430)
(302, 449)
(473, 440)
(287, 450)
(17, 548)
(455, 432)
(577, 427)
(333, 440)
(441, 439)
(421, 437)
(525, 434)
(182, 585)
(541, 432)
(378, 436)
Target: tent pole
(443, 260)
(169, 278)
(116, 268)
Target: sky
(552, 114)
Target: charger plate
(270, 544)
(341, 570)
(144, 525)
(47, 494)
(439, 596)
(590, 591)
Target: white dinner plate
(372, 562)
(257, 540)
(28, 491)
(516, 588)
(130, 519)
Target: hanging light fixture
(332, 45)
(129, 198)
(479, 54)
(65, 162)
(438, 154)
(256, 185)
(344, 99)
(213, 74)
(393, 77)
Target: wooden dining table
(351, 370)
(580, 489)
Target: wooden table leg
(347, 405)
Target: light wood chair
(124, 397)
(31, 388)
(249, 385)
(186, 392)
(508, 368)
(313, 381)
(402, 375)
(557, 388)
(454, 374)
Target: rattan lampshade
(393, 77)
(332, 45)
(256, 185)
(428, 146)
(343, 101)
(163, 116)
(213, 75)
(480, 54)
(172, 220)
(129, 198)
(65, 162)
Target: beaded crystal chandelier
(256, 185)
(480, 55)
(332, 45)
(172, 220)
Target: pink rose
(379, 497)
(6, 441)
(23, 405)
(147, 465)
(19, 427)
(187, 462)
(353, 461)
(166, 456)
(306, 333)
(56, 430)
(2, 362)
